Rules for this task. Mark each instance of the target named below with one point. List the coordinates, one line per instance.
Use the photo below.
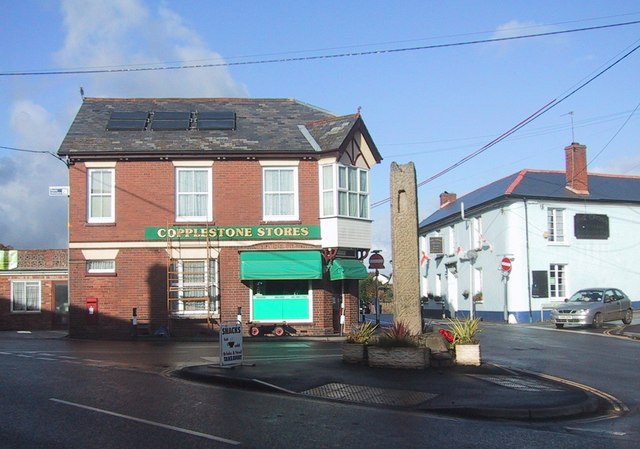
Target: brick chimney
(576, 163)
(447, 198)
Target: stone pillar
(404, 241)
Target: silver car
(593, 306)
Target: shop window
(101, 195)
(25, 296)
(101, 266)
(347, 188)
(281, 300)
(194, 194)
(294, 287)
(280, 193)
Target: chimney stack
(447, 198)
(576, 163)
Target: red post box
(91, 310)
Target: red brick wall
(145, 196)
(43, 320)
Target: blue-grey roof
(533, 184)
(263, 126)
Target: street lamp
(376, 262)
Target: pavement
(487, 391)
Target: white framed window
(194, 194)
(328, 191)
(348, 188)
(26, 296)
(101, 195)
(557, 281)
(101, 266)
(476, 232)
(280, 193)
(193, 287)
(451, 240)
(555, 225)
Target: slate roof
(536, 184)
(263, 126)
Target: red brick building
(193, 211)
(33, 289)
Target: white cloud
(32, 219)
(124, 33)
(513, 29)
(629, 166)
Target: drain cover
(369, 395)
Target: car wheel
(559, 325)
(597, 321)
(628, 317)
(278, 331)
(254, 331)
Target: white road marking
(145, 421)
(606, 432)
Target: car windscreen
(587, 296)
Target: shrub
(465, 331)
(361, 333)
(397, 335)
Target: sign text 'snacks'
(265, 232)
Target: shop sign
(265, 232)
(230, 344)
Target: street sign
(58, 191)
(231, 344)
(376, 261)
(505, 265)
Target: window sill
(281, 222)
(92, 224)
(100, 275)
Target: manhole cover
(369, 395)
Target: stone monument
(404, 242)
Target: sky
(435, 82)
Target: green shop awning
(347, 269)
(257, 265)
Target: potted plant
(465, 340)
(396, 347)
(354, 349)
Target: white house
(558, 231)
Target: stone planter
(468, 355)
(398, 357)
(354, 353)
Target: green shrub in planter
(361, 333)
(465, 332)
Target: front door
(61, 315)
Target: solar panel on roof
(126, 125)
(216, 124)
(219, 115)
(216, 120)
(129, 115)
(170, 124)
(171, 115)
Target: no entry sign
(505, 265)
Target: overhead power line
(312, 58)
(550, 105)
